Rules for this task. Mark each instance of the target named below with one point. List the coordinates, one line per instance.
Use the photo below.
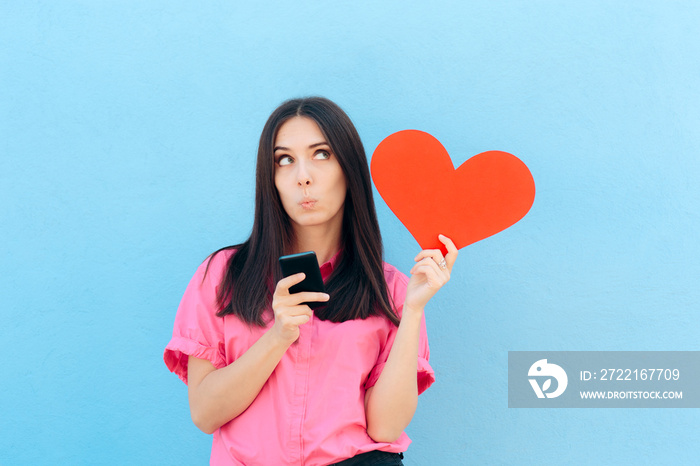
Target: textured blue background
(127, 138)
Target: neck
(321, 239)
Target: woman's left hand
(430, 273)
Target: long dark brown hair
(357, 286)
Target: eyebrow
(324, 143)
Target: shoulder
(214, 266)
(220, 258)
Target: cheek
(341, 187)
(279, 186)
(277, 183)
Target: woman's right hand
(289, 311)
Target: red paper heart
(416, 178)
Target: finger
(452, 251)
(434, 254)
(295, 304)
(305, 296)
(299, 320)
(428, 264)
(295, 312)
(286, 283)
(287, 311)
(293, 321)
(434, 278)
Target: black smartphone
(304, 262)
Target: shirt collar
(328, 267)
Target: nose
(303, 175)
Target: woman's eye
(322, 154)
(284, 160)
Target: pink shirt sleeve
(198, 331)
(397, 283)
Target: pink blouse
(311, 409)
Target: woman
(275, 382)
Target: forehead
(299, 131)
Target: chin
(309, 220)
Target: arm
(391, 402)
(217, 396)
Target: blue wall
(127, 137)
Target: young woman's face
(308, 177)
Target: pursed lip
(307, 203)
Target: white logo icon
(543, 369)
